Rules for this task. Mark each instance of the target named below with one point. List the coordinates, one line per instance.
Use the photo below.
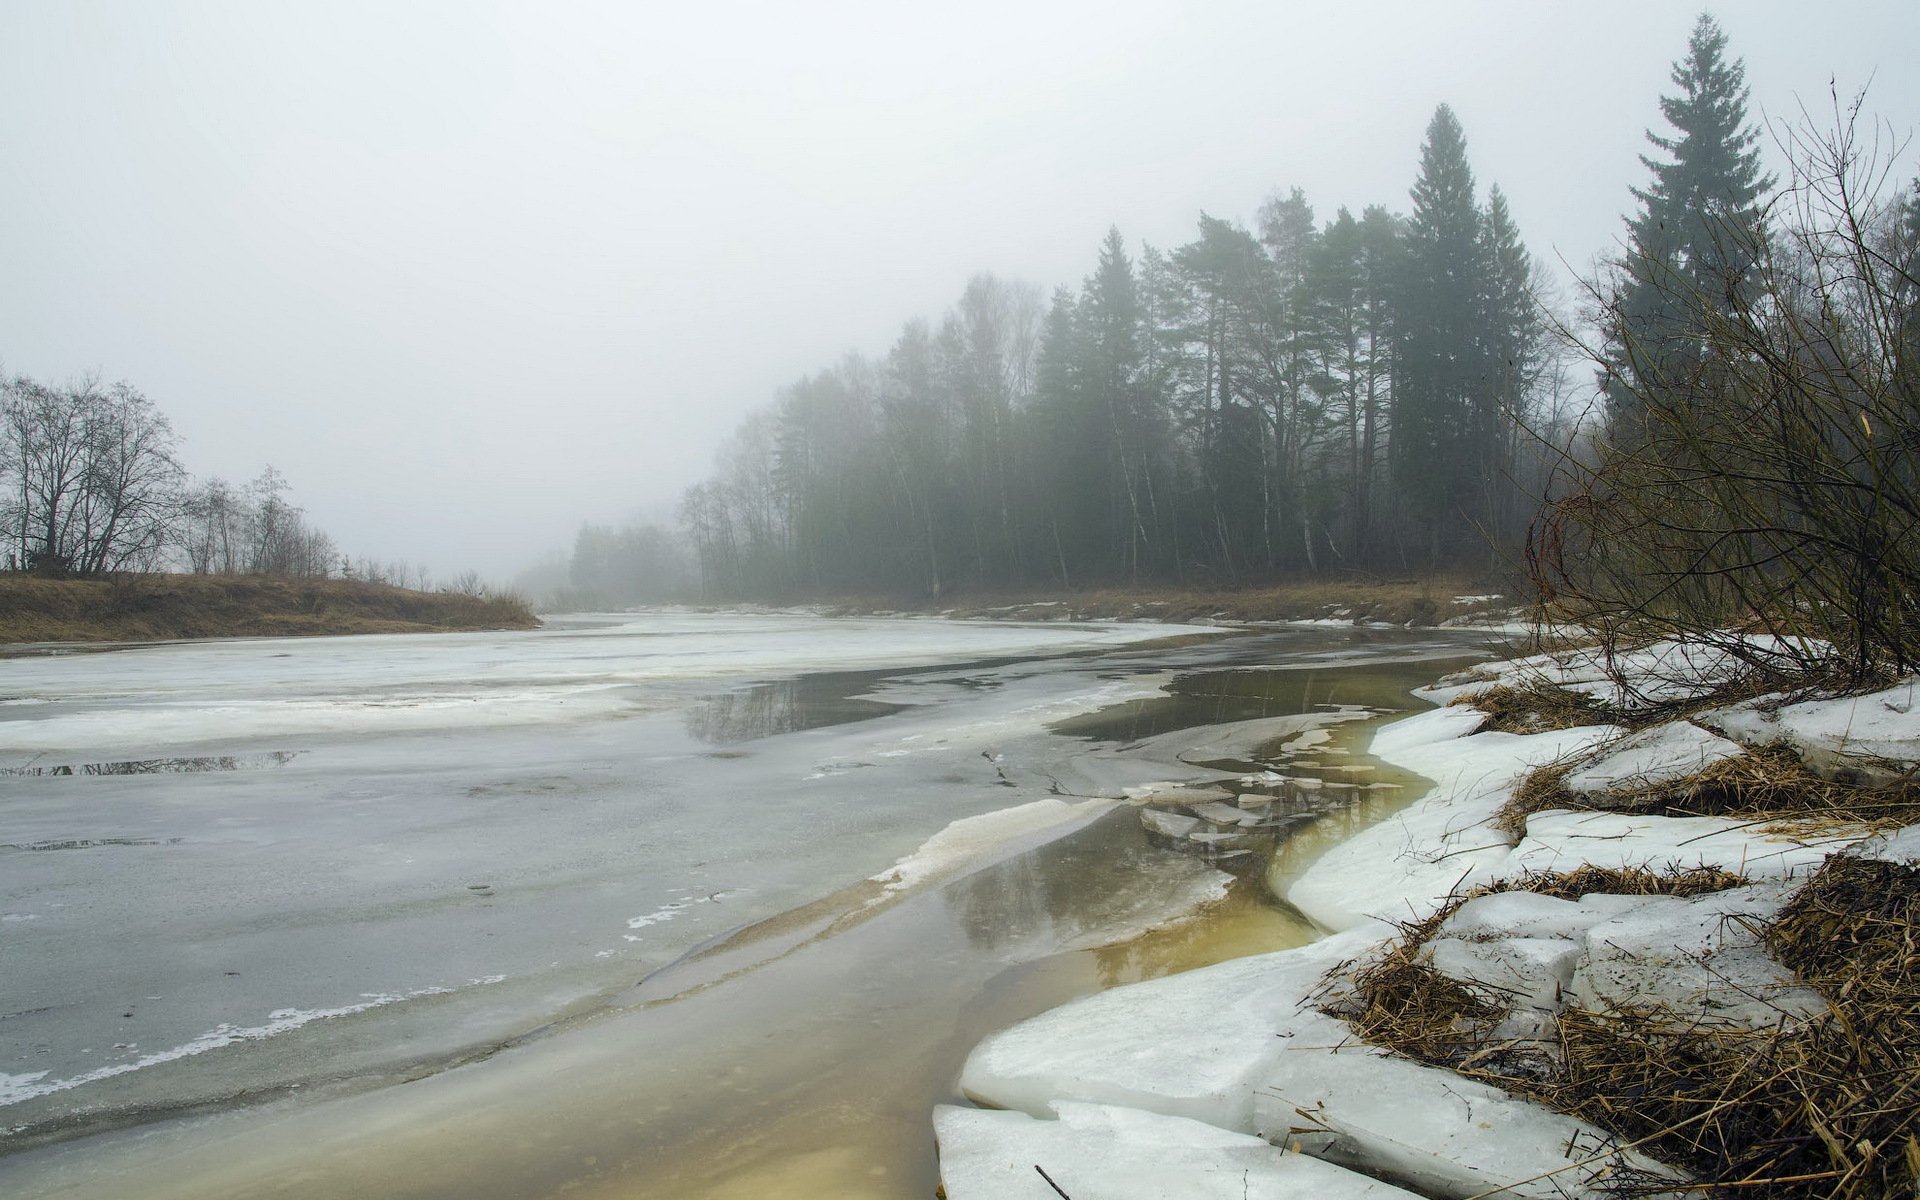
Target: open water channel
(660, 905)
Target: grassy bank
(1424, 601)
(157, 607)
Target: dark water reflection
(164, 766)
(785, 706)
(1202, 698)
(1064, 892)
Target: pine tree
(1288, 350)
(1112, 314)
(1217, 276)
(1442, 348)
(1069, 492)
(1700, 231)
(1513, 345)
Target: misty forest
(1383, 392)
(1337, 701)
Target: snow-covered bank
(1264, 1047)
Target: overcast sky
(471, 274)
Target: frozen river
(277, 870)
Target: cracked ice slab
(1653, 757)
(1404, 866)
(1190, 1045)
(1435, 1131)
(1901, 847)
(1701, 957)
(1125, 1154)
(1560, 840)
(1877, 735)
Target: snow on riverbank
(1238, 1073)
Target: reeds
(1767, 783)
(1536, 708)
(1820, 1109)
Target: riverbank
(1591, 960)
(168, 607)
(1419, 602)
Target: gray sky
(470, 274)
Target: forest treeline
(1301, 395)
(1382, 391)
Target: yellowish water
(797, 1059)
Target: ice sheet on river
(193, 693)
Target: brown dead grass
(162, 607)
(1768, 783)
(1827, 1109)
(1397, 1001)
(1357, 598)
(1536, 708)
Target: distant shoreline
(1358, 600)
(158, 607)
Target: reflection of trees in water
(1338, 825)
(162, 766)
(784, 706)
(1201, 698)
(1153, 954)
(741, 716)
(1061, 891)
(1055, 891)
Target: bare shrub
(1761, 475)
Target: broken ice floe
(1243, 1047)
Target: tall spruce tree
(1286, 350)
(1114, 344)
(1218, 277)
(1438, 395)
(1070, 491)
(1514, 347)
(1694, 243)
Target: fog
(471, 275)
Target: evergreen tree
(1069, 490)
(917, 435)
(1351, 279)
(1699, 232)
(1438, 396)
(1220, 274)
(1112, 314)
(1514, 347)
(1287, 348)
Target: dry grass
(160, 607)
(1358, 598)
(1769, 783)
(1536, 708)
(1818, 1110)
(1395, 1000)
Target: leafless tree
(1767, 480)
(468, 583)
(92, 484)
